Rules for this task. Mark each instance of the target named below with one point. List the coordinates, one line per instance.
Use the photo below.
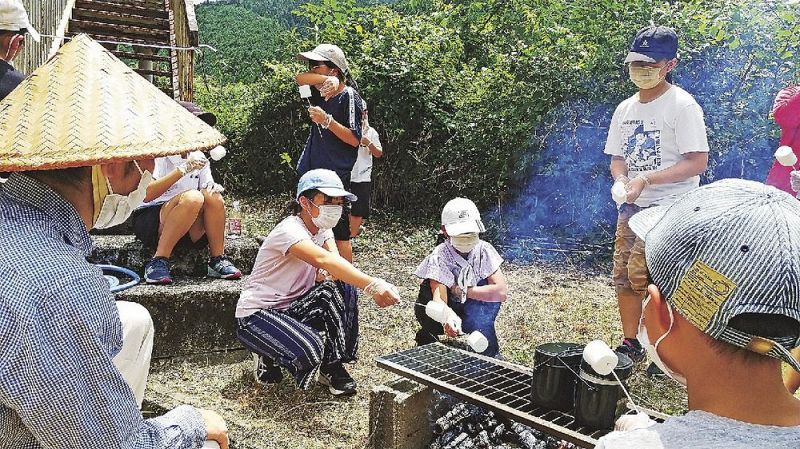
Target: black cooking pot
(596, 396)
(555, 366)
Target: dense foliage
(463, 92)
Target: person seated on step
(722, 312)
(464, 273)
(292, 312)
(184, 206)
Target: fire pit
(500, 387)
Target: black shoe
(654, 371)
(266, 371)
(632, 348)
(337, 379)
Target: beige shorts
(630, 270)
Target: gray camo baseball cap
(724, 249)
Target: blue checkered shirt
(59, 330)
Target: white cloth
(654, 136)
(133, 359)
(189, 181)
(278, 278)
(444, 264)
(362, 169)
(699, 429)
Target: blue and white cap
(725, 249)
(653, 44)
(326, 181)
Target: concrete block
(398, 415)
(126, 251)
(192, 316)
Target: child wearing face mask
(291, 313)
(464, 273)
(658, 147)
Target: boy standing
(658, 147)
(360, 176)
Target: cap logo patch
(645, 44)
(463, 214)
(701, 292)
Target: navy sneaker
(337, 379)
(157, 271)
(222, 267)
(266, 371)
(632, 348)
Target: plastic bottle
(234, 227)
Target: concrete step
(126, 251)
(192, 316)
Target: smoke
(563, 206)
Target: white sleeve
(205, 176)
(614, 141)
(374, 138)
(690, 130)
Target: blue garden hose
(113, 280)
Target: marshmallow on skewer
(785, 156)
(600, 357)
(618, 192)
(441, 313)
(218, 152)
(305, 91)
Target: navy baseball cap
(653, 44)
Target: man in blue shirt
(59, 326)
(336, 130)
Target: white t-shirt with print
(362, 169)
(703, 430)
(278, 278)
(654, 136)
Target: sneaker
(654, 371)
(266, 371)
(337, 379)
(632, 348)
(222, 267)
(157, 271)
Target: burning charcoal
(498, 432)
(435, 445)
(462, 441)
(482, 441)
(452, 418)
(448, 436)
(527, 437)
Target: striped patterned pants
(320, 327)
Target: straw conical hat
(86, 107)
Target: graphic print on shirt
(642, 149)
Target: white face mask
(117, 208)
(328, 217)
(652, 350)
(465, 243)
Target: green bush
(456, 88)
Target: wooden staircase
(136, 32)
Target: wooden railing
(47, 17)
(184, 35)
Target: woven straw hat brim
(86, 107)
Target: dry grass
(546, 304)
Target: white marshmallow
(618, 192)
(437, 311)
(305, 91)
(210, 444)
(786, 156)
(218, 152)
(600, 357)
(477, 341)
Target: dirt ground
(554, 302)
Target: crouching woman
(287, 318)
